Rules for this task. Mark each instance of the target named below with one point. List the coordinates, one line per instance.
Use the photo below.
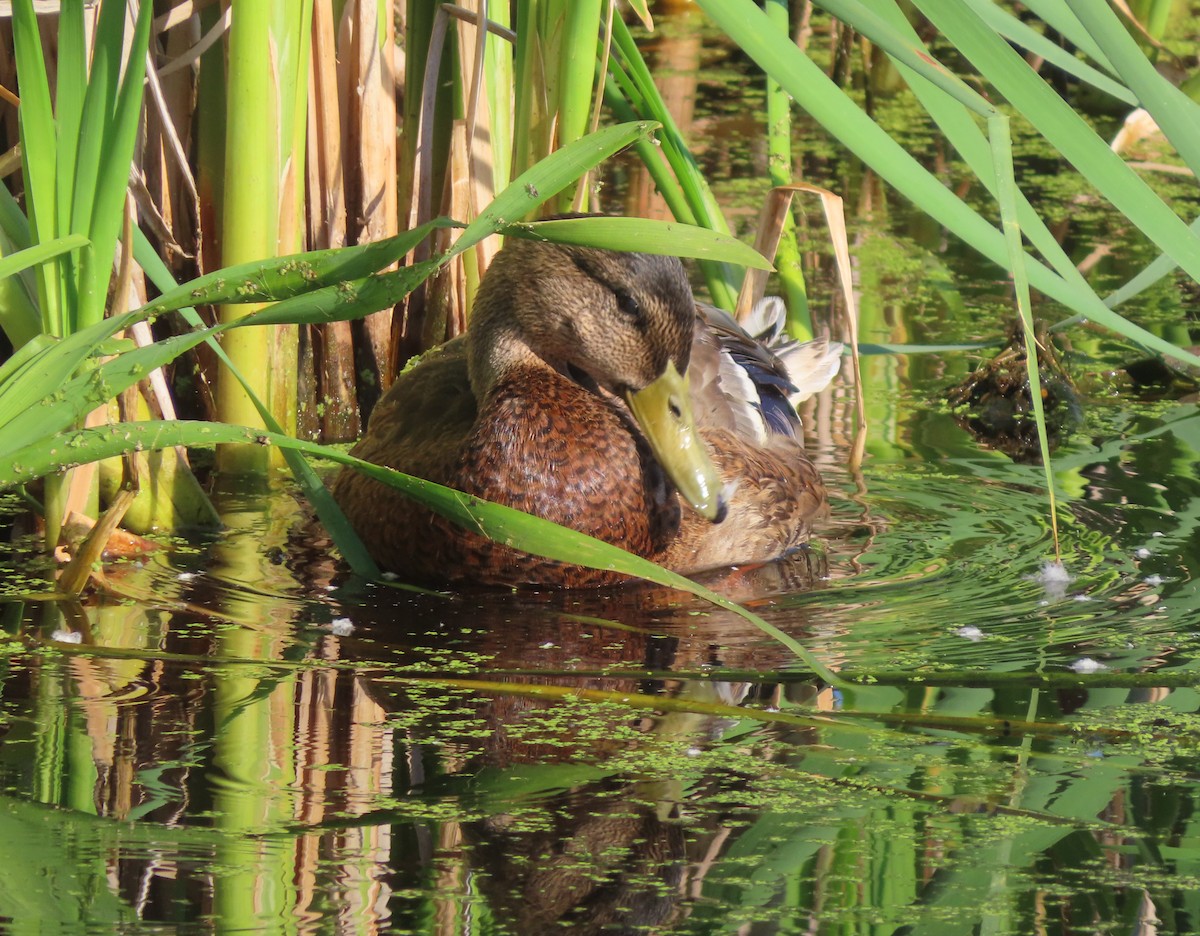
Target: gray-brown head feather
(616, 317)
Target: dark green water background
(241, 739)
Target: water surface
(235, 736)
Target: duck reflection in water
(584, 822)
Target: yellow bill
(664, 412)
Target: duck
(591, 389)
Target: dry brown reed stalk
(165, 190)
(167, 494)
(446, 292)
(438, 310)
(201, 44)
(369, 158)
(477, 140)
(469, 183)
(86, 559)
(770, 229)
(178, 206)
(330, 411)
(354, 734)
(408, 330)
(350, 178)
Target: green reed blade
(779, 168)
(866, 21)
(292, 32)
(540, 183)
(39, 154)
(348, 301)
(69, 393)
(633, 83)
(69, 93)
(250, 211)
(13, 223)
(40, 253)
(657, 237)
(665, 182)
(27, 394)
(577, 72)
(21, 359)
(1058, 16)
(650, 104)
(499, 77)
(1006, 189)
(1159, 267)
(503, 524)
(529, 85)
(99, 105)
(1016, 31)
(745, 23)
(748, 26)
(18, 316)
(1074, 291)
(282, 277)
(642, 11)
(1177, 115)
(1156, 15)
(112, 175)
(964, 134)
(1067, 131)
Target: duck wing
(426, 414)
(748, 381)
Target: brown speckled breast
(541, 444)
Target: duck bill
(663, 410)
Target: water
(244, 743)
(236, 737)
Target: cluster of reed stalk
(336, 175)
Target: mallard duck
(591, 390)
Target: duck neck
(498, 347)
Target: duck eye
(628, 304)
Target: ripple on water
(948, 570)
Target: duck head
(623, 322)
